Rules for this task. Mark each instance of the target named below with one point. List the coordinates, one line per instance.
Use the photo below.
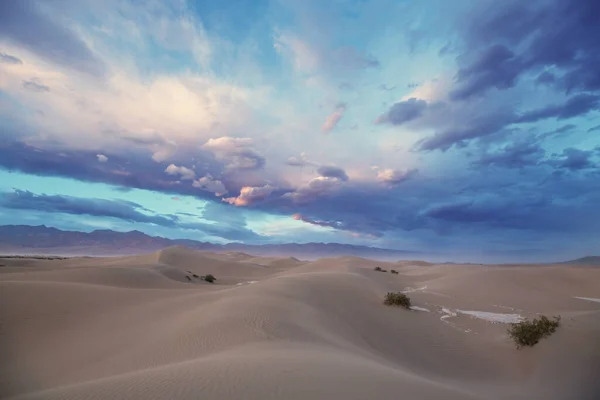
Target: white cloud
(249, 195)
(209, 184)
(185, 173)
(393, 176)
(239, 153)
(182, 108)
(101, 158)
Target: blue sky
(469, 127)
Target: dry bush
(529, 333)
(397, 299)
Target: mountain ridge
(20, 238)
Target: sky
(465, 126)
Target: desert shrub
(394, 271)
(188, 278)
(195, 276)
(397, 299)
(528, 333)
(209, 278)
(378, 269)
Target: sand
(143, 327)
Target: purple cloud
(332, 172)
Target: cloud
(492, 211)
(546, 78)
(130, 171)
(125, 210)
(506, 40)
(334, 118)
(471, 127)
(315, 188)
(403, 111)
(456, 125)
(35, 86)
(573, 159)
(574, 106)
(594, 128)
(301, 161)
(101, 158)
(23, 23)
(514, 155)
(332, 172)
(183, 172)
(308, 220)
(496, 66)
(8, 59)
(209, 184)
(239, 153)
(250, 195)
(394, 176)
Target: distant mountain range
(25, 239)
(589, 260)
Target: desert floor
(144, 327)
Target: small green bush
(394, 271)
(528, 333)
(209, 278)
(397, 299)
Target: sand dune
(144, 328)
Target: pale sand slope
(136, 328)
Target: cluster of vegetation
(528, 333)
(208, 278)
(379, 269)
(397, 299)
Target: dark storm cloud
(508, 39)
(131, 170)
(574, 106)
(496, 66)
(457, 125)
(471, 128)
